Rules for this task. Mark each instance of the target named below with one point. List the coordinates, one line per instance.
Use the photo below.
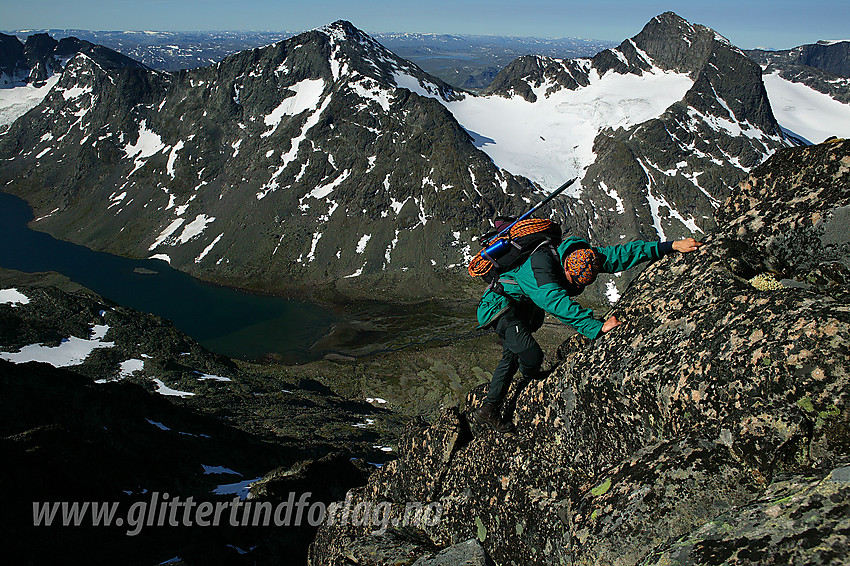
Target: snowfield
(13, 297)
(805, 111)
(17, 101)
(308, 94)
(551, 140)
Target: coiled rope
(480, 265)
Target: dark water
(224, 320)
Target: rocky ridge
(711, 428)
(42, 56)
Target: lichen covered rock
(798, 520)
(712, 402)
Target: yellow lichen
(765, 282)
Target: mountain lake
(228, 321)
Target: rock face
(713, 427)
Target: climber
(545, 282)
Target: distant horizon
(763, 24)
(372, 32)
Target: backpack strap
(498, 287)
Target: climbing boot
(488, 414)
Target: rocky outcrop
(713, 427)
(11, 59)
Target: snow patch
(209, 377)
(163, 389)
(614, 195)
(219, 470)
(158, 425)
(163, 257)
(75, 92)
(411, 83)
(148, 144)
(308, 93)
(611, 292)
(195, 228)
(361, 245)
(324, 190)
(13, 297)
(239, 488)
(167, 233)
(70, 352)
(172, 158)
(371, 91)
(208, 249)
(129, 367)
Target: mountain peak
(342, 31)
(672, 22)
(670, 18)
(676, 44)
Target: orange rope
(480, 265)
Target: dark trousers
(520, 351)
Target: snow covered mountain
(809, 88)
(327, 158)
(660, 129)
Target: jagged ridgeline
(42, 57)
(712, 427)
(325, 157)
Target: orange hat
(583, 266)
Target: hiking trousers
(520, 351)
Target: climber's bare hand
(610, 324)
(686, 245)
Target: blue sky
(759, 23)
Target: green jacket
(541, 279)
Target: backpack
(509, 251)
